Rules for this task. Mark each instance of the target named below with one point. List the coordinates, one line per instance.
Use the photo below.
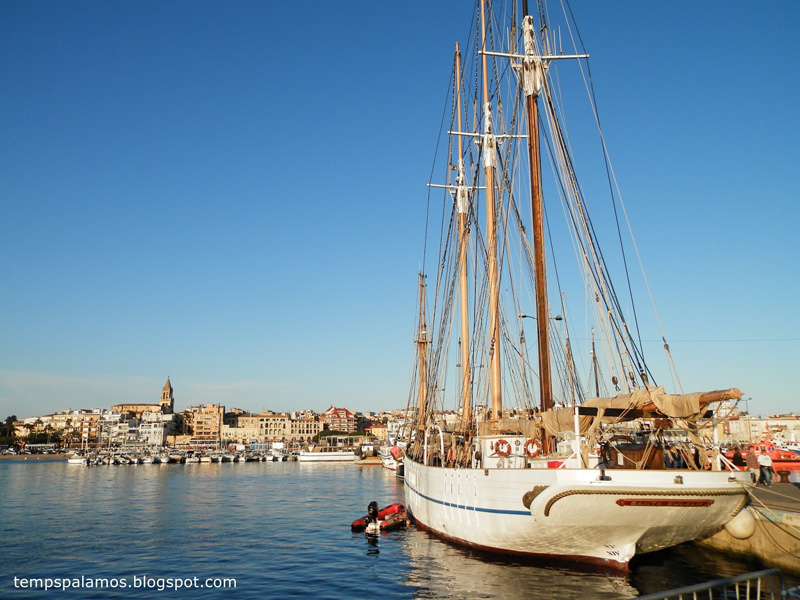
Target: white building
(153, 433)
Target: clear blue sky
(233, 194)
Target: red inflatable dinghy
(392, 517)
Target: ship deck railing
(769, 584)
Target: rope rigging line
(591, 235)
(594, 268)
(612, 177)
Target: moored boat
(387, 460)
(392, 457)
(793, 446)
(578, 472)
(77, 459)
(316, 453)
(394, 516)
(277, 452)
(367, 454)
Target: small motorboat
(390, 518)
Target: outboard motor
(372, 518)
(372, 512)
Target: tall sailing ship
(578, 471)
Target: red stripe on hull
(660, 502)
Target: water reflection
(441, 570)
(373, 543)
(684, 565)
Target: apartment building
(205, 421)
(339, 419)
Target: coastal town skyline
(234, 196)
(153, 405)
(231, 405)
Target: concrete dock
(775, 539)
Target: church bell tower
(167, 399)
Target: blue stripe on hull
(497, 511)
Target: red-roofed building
(339, 419)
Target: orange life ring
(532, 447)
(506, 448)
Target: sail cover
(684, 406)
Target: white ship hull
(576, 516)
(344, 456)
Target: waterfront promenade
(781, 496)
(34, 456)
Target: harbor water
(274, 530)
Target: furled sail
(625, 407)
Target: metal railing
(769, 584)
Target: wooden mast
(422, 359)
(533, 74)
(489, 157)
(462, 208)
(594, 368)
